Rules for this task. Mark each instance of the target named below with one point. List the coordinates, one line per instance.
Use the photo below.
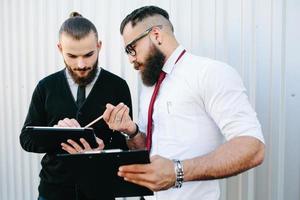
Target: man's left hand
(158, 175)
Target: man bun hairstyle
(75, 14)
(77, 27)
(140, 14)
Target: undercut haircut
(138, 15)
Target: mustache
(136, 65)
(83, 69)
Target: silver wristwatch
(179, 173)
(129, 137)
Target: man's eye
(88, 55)
(131, 47)
(71, 56)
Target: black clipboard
(96, 172)
(52, 137)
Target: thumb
(100, 144)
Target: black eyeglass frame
(129, 49)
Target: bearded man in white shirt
(195, 117)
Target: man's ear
(157, 35)
(99, 45)
(59, 47)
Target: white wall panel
(259, 38)
(291, 158)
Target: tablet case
(96, 173)
(52, 137)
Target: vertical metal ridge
(282, 106)
(251, 35)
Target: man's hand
(67, 123)
(117, 118)
(72, 147)
(157, 175)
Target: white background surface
(260, 38)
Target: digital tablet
(52, 137)
(96, 172)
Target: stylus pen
(93, 122)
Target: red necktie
(161, 77)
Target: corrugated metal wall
(260, 38)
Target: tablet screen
(52, 137)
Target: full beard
(83, 81)
(153, 66)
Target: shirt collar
(170, 63)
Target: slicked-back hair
(140, 14)
(77, 27)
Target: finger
(149, 180)
(132, 175)
(62, 123)
(68, 148)
(120, 115)
(85, 144)
(126, 116)
(107, 112)
(100, 144)
(75, 123)
(127, 120)
(136, 168)
(66, 123)
(114, 113)
(140, 179)
(75, 145)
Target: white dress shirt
(200, 104)
(74, 86)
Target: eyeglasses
(129, 49)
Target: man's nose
(81, 64)
(131, 59)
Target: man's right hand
(117, 118)
(67, 123)
(71, 146)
